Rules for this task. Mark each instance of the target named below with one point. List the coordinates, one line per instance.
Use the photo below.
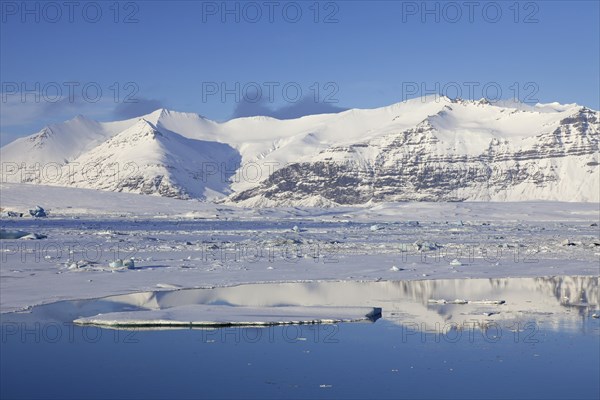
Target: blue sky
(181, 55)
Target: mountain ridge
(433, 149)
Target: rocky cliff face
(419, 165)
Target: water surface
(541, 343)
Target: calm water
(544, 355)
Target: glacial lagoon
(475, 338)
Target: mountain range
(424, 149)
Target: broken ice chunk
(455, 223)
(462, 301)
(38, 212)
(425, 246)
(497, 302)
(15, 234)
(433, 301)
(34, 236)
(10, 214)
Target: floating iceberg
(202, 315)
(38, 212)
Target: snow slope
(144, 159)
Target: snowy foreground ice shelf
(93, 244)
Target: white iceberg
(203, 315)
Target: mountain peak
(157, 117)
(144, 123)
(140, 131)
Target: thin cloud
(301, 108)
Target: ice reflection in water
(552, 301)
(545, 345)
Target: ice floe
(219, 315)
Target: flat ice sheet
(220, 315)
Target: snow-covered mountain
(433, 149)
(146, 159)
